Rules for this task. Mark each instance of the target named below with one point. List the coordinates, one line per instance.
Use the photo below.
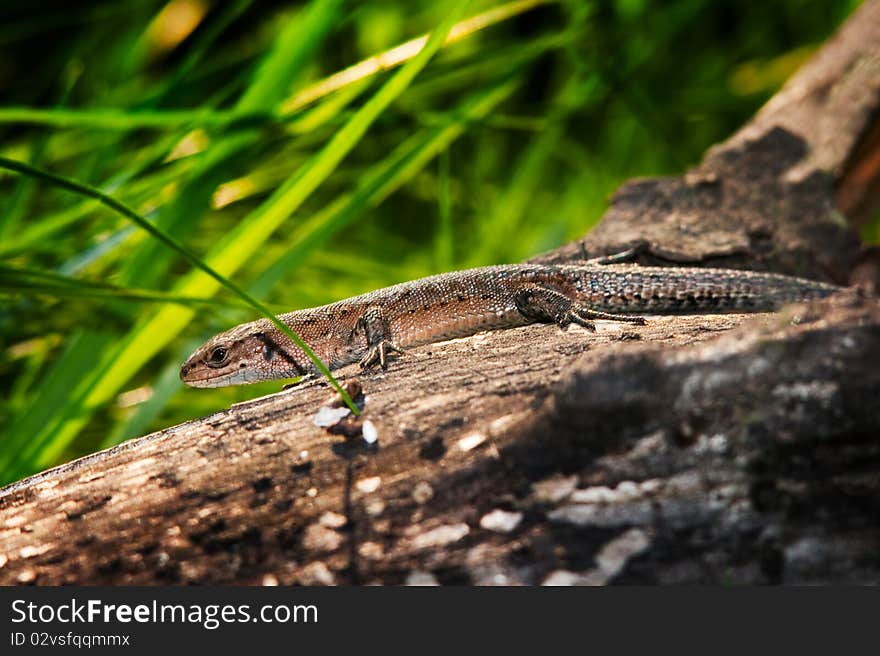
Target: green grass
(258, 142)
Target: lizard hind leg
(550, 306)
(545, 305)
(379, 337)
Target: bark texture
(710, 449)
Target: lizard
(369, 327)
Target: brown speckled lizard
(366, 328)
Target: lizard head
(245, 354)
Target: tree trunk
(716, 449)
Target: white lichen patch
(604, 515)
(30, 551)
(612, 558)
(624, 492)
(316, 573)
(321, 538)
(471, 441)
(371, 550)
(610, 561)
(712, 444)
(440, 536)
(15, 521)
(595, 494)
(649, 444)
(327, 416)
(370, 433)
(333, 520)
(501, 424)
(501, 521)
(563, 577)
(555, 489)
(368, 485)
(816, 390)
(28, 575)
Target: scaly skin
(364, 328)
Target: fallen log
(717, 449)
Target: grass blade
(173, 245)
(14, 281)
(400, 166)
(155, 332)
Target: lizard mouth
(193, 379)
(195, 376)
(204, 382)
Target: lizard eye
(218, 356)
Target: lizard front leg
(550, 306)
(377, 332)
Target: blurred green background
(229, 125)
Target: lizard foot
(378, 354)
(590, 313)
(377, 331)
